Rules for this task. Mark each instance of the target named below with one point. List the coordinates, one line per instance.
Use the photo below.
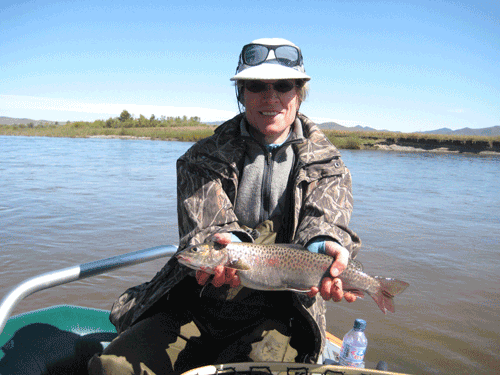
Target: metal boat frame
(79, 272)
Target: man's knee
(112, 364)
(151, 346)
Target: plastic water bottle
(352, 352)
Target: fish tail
(386, 292)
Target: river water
(432, 220)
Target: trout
(288, 267)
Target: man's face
(272, 110)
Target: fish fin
(388, 289)
(358, 293)
(238, 265)
(392, 286)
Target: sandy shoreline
(439, 150)
(119, 137)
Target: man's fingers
(341, 255)
(331, 289)
(202, 277)
(235, 281)
(336, 291)
(314, 290)
(219, 276)
(223, 275)
(230, 274)
(349, 297)
(222, 238)
(326, 286)
(339, 265)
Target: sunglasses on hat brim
(255, 54)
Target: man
(267, 175)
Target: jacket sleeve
(204, 202)
(326, 206)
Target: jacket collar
(311, 144)
(317, 147)
(296, 135)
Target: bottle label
(352, 355)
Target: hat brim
(271, 72)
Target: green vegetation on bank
(370, 140)
(191, 129)
(163, 128)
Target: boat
(81, 331)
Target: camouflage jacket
(207, 183)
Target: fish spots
(273, 261)
(289, 267)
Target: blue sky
(397, 65)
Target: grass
(369, 140)
(346, 140)
(184, 130)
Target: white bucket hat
(270, 58)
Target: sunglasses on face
(281, 86)
(255, 54)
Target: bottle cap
(359, 325)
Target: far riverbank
(480, 148)
(192, 130)
(485, 149)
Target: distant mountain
(357, 128)
(490, 132)
(22, 121)
(446, 131)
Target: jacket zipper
(266, 186)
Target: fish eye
(193, 249)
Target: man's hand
(222, 275)
(331, 287)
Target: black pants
(197, 329)
(164, 344)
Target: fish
(288, 267)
